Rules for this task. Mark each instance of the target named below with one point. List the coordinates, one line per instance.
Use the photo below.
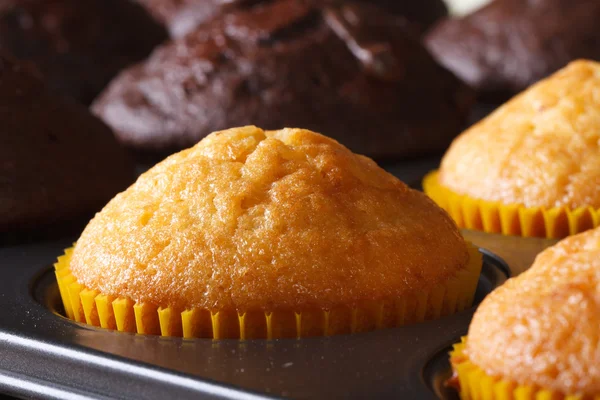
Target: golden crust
(539, 149)
(543, 327)
(248, 219)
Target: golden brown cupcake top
(543, 327)
(539, 149)
(252, 220)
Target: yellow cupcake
(254, 234)
(538, 335)
(532, 167)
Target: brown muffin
(57, 161)
(78, 45)
(352, 71)
(183, 16)
(506, 46)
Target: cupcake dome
(253, 223)
(539, 150)
(541, 330)
(350, 69)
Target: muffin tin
(44, 355)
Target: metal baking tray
(44, 355)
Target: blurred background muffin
(58, 163)
(532, 167)
(183, 16)
(78, 45)
(537, 336)
(510, 44)
(353, 71)
(254, 234)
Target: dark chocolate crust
(183, 16)
(351, 72)
(57, 161)
(506, 46)
(78, 45)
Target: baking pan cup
(510, 219)
(475, 384)
(46, 355)
(125, 315)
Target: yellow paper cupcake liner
(510, 219)
(475, 384)
(125, 315)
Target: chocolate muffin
(183, 16)
(510, 44)
(352, 71)
(57, 161)
(78, 45)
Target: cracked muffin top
(248, 219)
(542, 329)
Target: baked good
(183, 16)
(78, 45)
(536, 155)
(58, 162)
(538, 334)
(254, 234)
(508, 45)
(351, 71)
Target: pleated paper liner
(475, 384)
(125, 315)
(511, 219)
